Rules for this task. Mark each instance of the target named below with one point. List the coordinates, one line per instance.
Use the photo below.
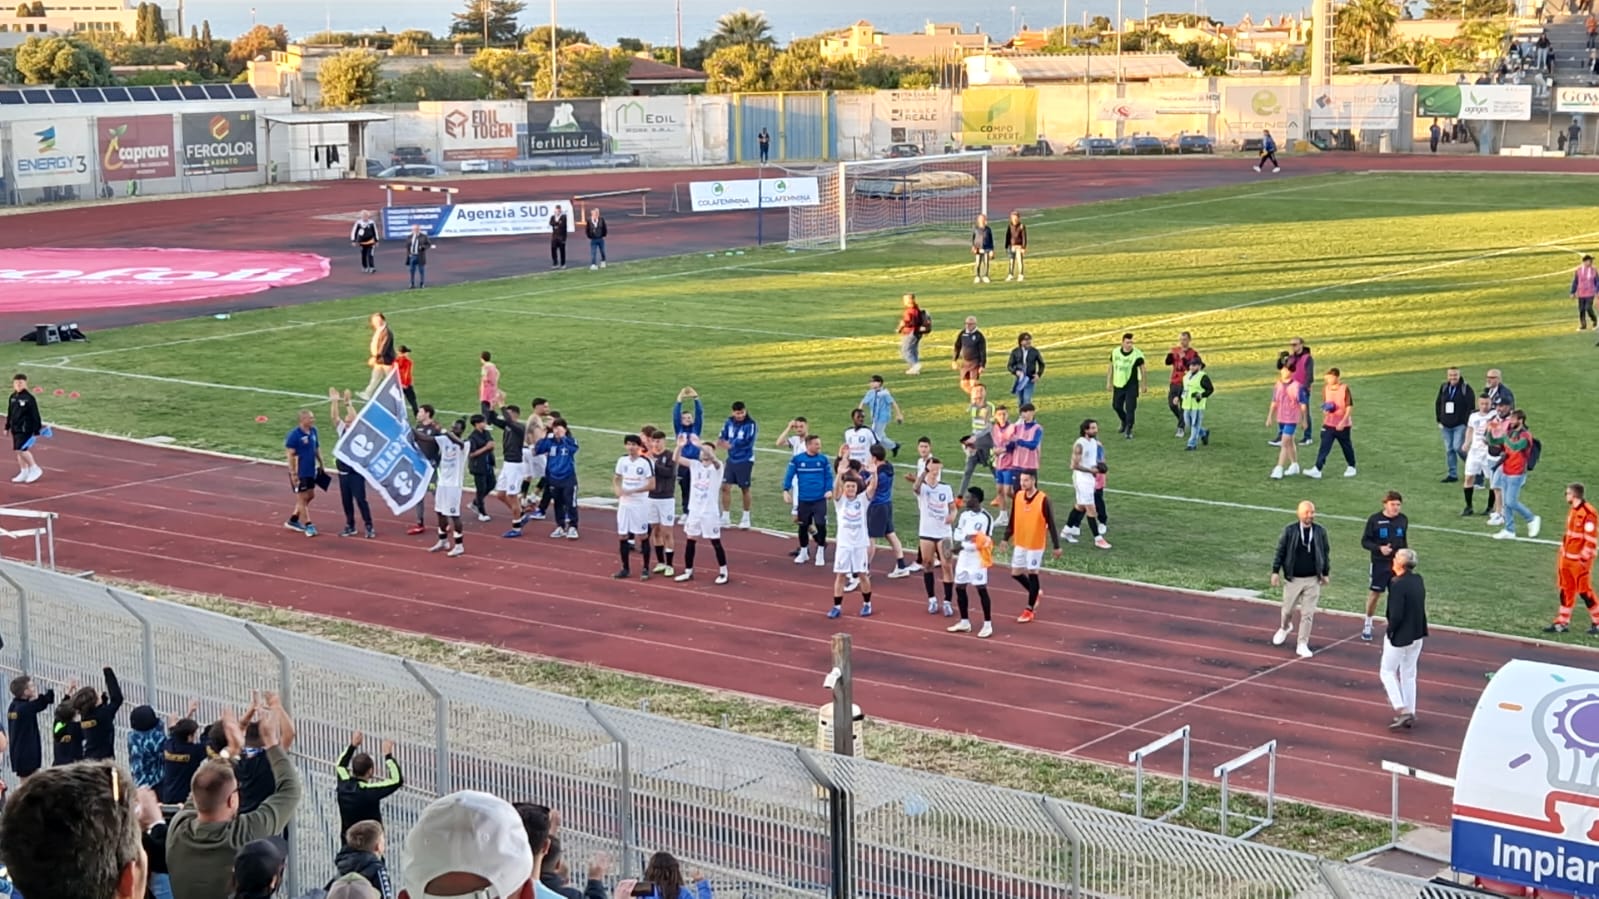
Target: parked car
(409, 156)
(375, 169)
(478, 165)
(1040, 148)
(901, 151)
(412, 171)
(1093, 146)
(1191, 143)
(1140, 145)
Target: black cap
(144, 718)
(257, 865)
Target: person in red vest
(402, 366)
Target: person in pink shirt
(1283, 416)
(1003, 434)
(488, 385)
(1584, 286)
(1337, 421)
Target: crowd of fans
(203, 813)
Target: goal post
(890, 196)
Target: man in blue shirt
(880, 511)
(303, 449)
(814, 473)
(738, 440)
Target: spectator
(1452, 409)
(205, 836)
(1301, 567)
(980, 442)
(154, 825)
(553, 875)
(66, 736)
(258, 869)
(362, 856)
(145, 737)
(1302, 366)
(1495, 388)
(73, 833)
(22, 722)
(971, 355)
(255, 772)
(361, 791)
(1026, 365)
(469, 843)
(97, 713)
(913, 326)
(1407, 629)
(1519, 450)
(663, 879)
(181, 756)
(596, 231)
(352, 886)
(1178, 358)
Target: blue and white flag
(379, 445)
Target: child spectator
(66, 736)
(22, 722)
(362, 856)
(181, 756)
(97, 714)
(144, 746)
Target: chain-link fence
(758, 818)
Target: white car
(412, 171)
(476, 165)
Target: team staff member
(738, 440)
(1032, 520)
(663, 508)
(1301, 567)
(303, 449)
(25, 425)
(380, 353)
(1016, 248)
(365, 235)
(1401, 646)
(1575, 571)
(1299, 362)
(814, 477)
(982, 249)
(559, 227)
(1452, 409)
(1178, 359)
(1125, 379)
(560, 449)
(1387, 532)
(416, 256)
(971, 355)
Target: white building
(69, 16)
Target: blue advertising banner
(475, 219)
(380, 446)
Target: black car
(1140, 145)
(1191, 143)
(1093, 146)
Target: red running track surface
(1107, 667)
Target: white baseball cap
(468, 833)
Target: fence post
(841, 831)
(150, 695)
(441, 731)
(285, 682)
(1057, 817)
(25, 654)
(624, 788)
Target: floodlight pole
(555, 57)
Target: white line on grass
(1311, 291)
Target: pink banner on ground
(52, 279)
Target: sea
(654, 21)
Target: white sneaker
(1313, 473)
(960, 627)
(1303, 651)
(803, 557)
(1104, 529)
(21, 476)
(1506, 534)
(932, 605)
(1533, 526)
(602, 263)
(1349, 472)
(558, 533)
(727, 519)
(1280, 637)
(1277, 473)
(1070, 534)
(821, 558)
(685, 577)
(595, 268)
(985, 280)
(914, 369)
(1010, 277)
(721, 577)
(913, 568)
(988, 629)
(977, 280)
(483, 516)
(899, 572)
(1292, 470)
(1496, 520)
(744, 522)
(1021, 277)
(442, 544)
(458, 549)
(571, 533)
(34, 474)
(1100, 542)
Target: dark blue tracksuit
(815, 476)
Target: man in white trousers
(1401, 646)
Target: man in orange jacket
(1575, 571)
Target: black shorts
(1382, 573)
(304, 485)
(879, 520)
(738, 474)
(20, 441)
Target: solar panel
(116, 94)
(141, 94)
(90, 95)
(62, 95)
(192, 92)
(243, 92)
(11, 98)
(167, 92)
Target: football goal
(887, 196)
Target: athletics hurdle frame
(1225, 772)
(1136, 759)
(1396, 771)
(389, 189)
(643, 193)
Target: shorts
(1478, 463)
(304, 485)
(1382, 573)
(738, 474)
(1496, 478)
(969, 570)
(632, 518)
(940, 548)
(536, 467)
(1286, 428)
(1083, 486)
(879, 520)
(447, 501)
(1005, 477)
(663, 511)
(21, 442)
(1026, 559)
(849, 560)
(1304, 394)
(706, 526)
(512, 474)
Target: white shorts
(969, 570)
(535, 467)
(447, 501)
(708, 527)
(632, 518)
(849, 560)
(512, 474)
(1026, 559)
(663, 511)
(1478, 462)
(1083, 484)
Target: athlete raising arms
(936, 503)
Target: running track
(1107, 668)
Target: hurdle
(42, 532)
(1225, 772)
(1395, 772)
(389, 189)
(1136, 759)
(643, 193)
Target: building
(651, 76)
(936, 41)
(69, 16)
(1028, 71)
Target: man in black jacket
(1026, 365)
(1301, 566)
(971, 355)
(416, 256)
(1456, 401)
(1401, 648)
(1387, 531)
(362, 788)
(559, 227)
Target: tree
(585, 71)
(63, 62)
(37, 9)
(24, 11)
(630, 45)
(539, 38)
(1463, 9)
(801, 67)
(501, 14)
(693, 57)
(349, 78)
(432, 82)
(504, 72)
(205, 33)
(149, 27)
(258, 41)
(8, 68)
(1367, 25)
(742, 28)
(740, 68)
(916, 81)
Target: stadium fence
(757, 817)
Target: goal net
(889, 196)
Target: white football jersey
(635, 474)
(934, 503)
(851, 522)
(705, 488)
(1477, 424)
(859, 443)
(452, 456)
(969, 525)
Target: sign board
(1203, 103)
(475, 219)
(136, 147)
(485, 129)
(1124, 110)
(1527, 789)
(656, 128)
(1250, 110)
(719, 196)
(998, 116)
(565, 128)
(1355, 107)
(1577, 100)
(381, 446)
(925, 110)
(52, 152)
(219, 143)
(1476, 102)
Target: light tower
(1322, 16)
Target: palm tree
(1368, 22)
(743, 28)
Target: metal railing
(759, 818)
(40, 527)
